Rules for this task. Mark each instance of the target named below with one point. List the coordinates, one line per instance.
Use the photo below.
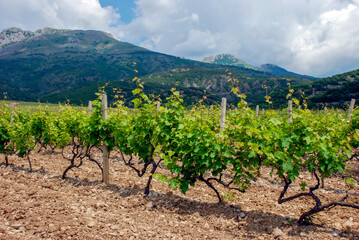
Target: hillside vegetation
(334, 91)
(70, 65)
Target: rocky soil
(40, 205)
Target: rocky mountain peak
(220, 57)
(227, 59)
(13, 35)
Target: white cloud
(330, 43)
(315, 37)
(197, 43)
(72, 14)
(192, 18)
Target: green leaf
(161, 177)
(136, 91)
(279, 155)
(308, 139)
(286, 142)
(350, 181)
(303, 185)
(275, 121)
(136, 102)
(174, 183)
(287, 166)
(251, 154)
(184, 186)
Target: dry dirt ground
(40, 205)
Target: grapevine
(190, 144)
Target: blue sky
(124, 7)
(313, 37)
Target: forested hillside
(52, 65)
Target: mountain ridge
(231, 60)
(13, 35)
(38, 64)
(57, 65)
(228, 59)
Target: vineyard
(166, 143)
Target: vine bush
(190, 144)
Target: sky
(313, 37)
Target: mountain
(52, 64)
(192, 82)
(334, 91)
(37, 65)
(57, 65)
(13, 35)
(278, 71)
(230, 60)
(34, 64)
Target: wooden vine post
(290, 111)
(351, 109)
(257, 110)
(89, 109)
(223, 113)
(105, 160)
(13, 105)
